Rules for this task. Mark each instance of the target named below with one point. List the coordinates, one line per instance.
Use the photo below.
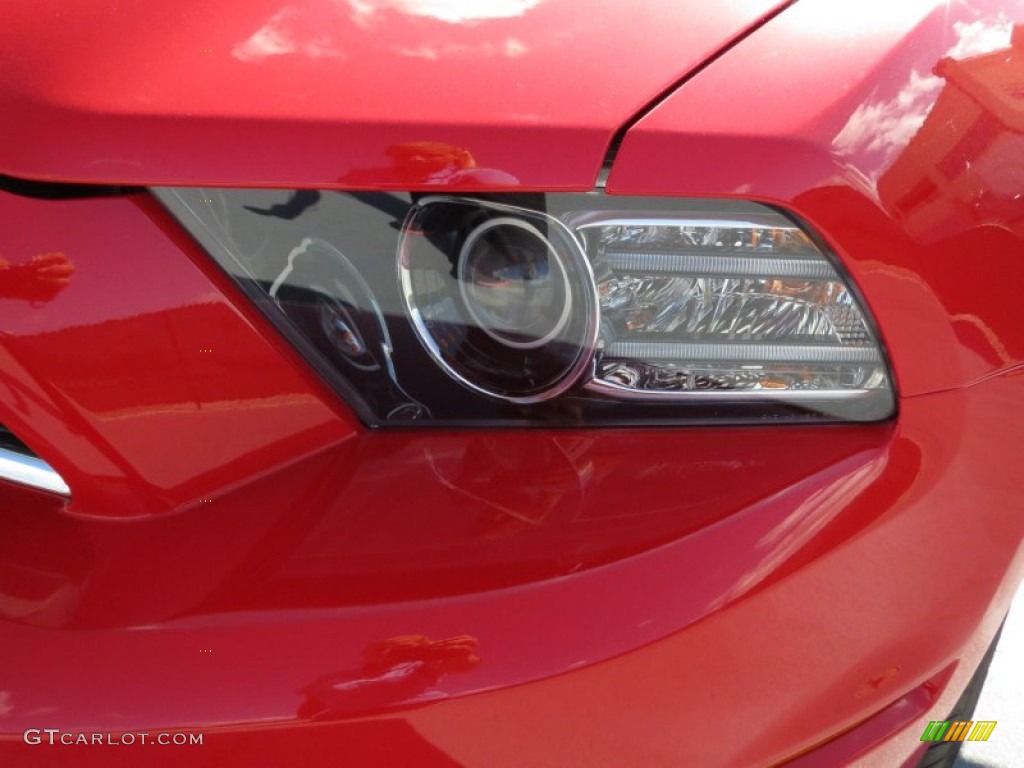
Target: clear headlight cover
(557, 309)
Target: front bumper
(879, 577)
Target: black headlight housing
(555, 309)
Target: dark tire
(943, 754)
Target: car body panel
(137, 373)
(737, 596)
(909, 173)
(333, 93)
(802, 614)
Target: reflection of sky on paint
(982, 36)
(451, 11)
(294, 31)
(804, 523)
(510, 47)
(884, 127)
(288, 32)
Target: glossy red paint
(805, 611)
(898, 146)
(492, 510)
(137, 373)
(713, 597)
(340, 93)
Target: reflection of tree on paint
(396, 671)
(429, 164)
(39, 279)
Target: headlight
(564, 308)
(502, 298)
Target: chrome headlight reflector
(559, 308)
(726, 308)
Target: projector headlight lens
(514, 284)
(557, 309)
(502, 298)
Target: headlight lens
(502, 298)
(552, 308)
(726, 306)
(514, 284)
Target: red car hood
(341, 93)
